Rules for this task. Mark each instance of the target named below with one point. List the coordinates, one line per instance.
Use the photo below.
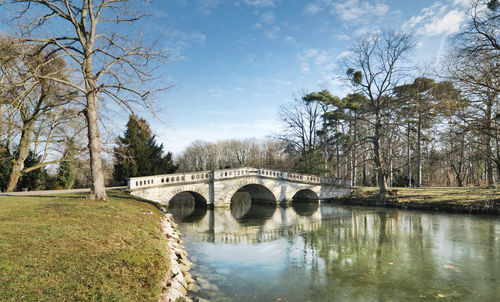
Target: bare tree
(482, 32)
(31, 94)
(106, 62)
(375, 68)
(301, 122)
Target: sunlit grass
(65, 247)
(463, 196)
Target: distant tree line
(200, 156)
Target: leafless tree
(106, 63)
(483, 30)
(31, 95)
(301, 122)
(375, 67)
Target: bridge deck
(193, 177)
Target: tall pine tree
(138, 154)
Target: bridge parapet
(176, 178)
(194, 177)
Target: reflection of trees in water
(370, 255)
(188, 207)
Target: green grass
(67, 248)
(459, 196)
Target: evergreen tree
(138, 154)
(35, 179)
(6, 161)
(68, 167)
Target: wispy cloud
(438, 19)
(178, 41)
(312, 9)
(207, 6)
(352, 10)
(268, 18)
(260, 3)
(342, 37)
(348, 10)
(290, 40)
(323, 61)
(268, 26)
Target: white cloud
(268, 18)
(273, 32)
(463, 3)
(342, 37)
(304, 67)
(344, 54)
(290, 40)
(206, 6)
(312, 9)
(260, 3)
(323, 61)
(266, 24)
(438, 19)
(351, 10)
(178, 41)
(361, 11)
(448, 24)
(257, 26)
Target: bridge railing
(289, 176)
(151, 181)
(229, 173)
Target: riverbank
(453, 200)
(66, 247)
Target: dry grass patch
(459, 196)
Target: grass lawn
(459, 196)
(66, 248)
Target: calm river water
(311, 252)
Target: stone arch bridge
(218, 187)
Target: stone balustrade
(193, 177)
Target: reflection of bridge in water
(218, 187)
(249, 221)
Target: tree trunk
(489, 153)
(363, 171)
(408, 158)
(419, 152)
(489, 165)
(353, 166)
(98, 189)
(390, 168)
(23, 152)
(377, 158)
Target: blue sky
(234, 63)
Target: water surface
(310, 252)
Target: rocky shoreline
(489, 208)
(178, 280)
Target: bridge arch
(255, 188)
(199, 192)
(304, 194)
(188, 206)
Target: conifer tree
(138, 154)
(68, 167)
